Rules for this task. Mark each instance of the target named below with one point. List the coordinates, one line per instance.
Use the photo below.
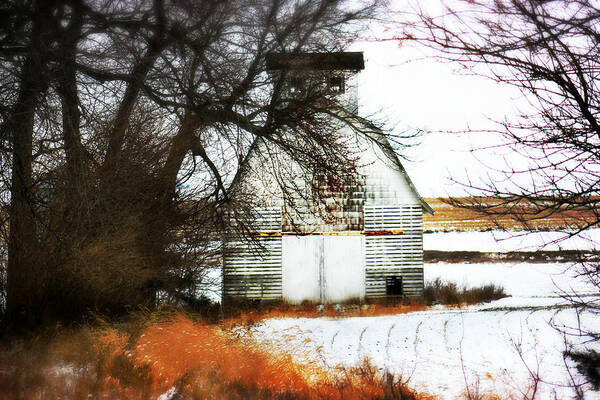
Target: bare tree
(550, 51)
(108, 106)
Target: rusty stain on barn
(370, 244)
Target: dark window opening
(336, 84)
(296, 84)
(393, 285)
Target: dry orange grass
(204, 362)
(172, 349)
(151, 355)
(312, 310)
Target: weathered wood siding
(252, 265)
(394, 255)
(344, 210)
(325, 268)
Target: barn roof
(378, 137)
(387, 148)
(352, 61)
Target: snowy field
(441, 352)
(498, 347)
(523, 281)
(502, 241)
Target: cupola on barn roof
(352, 61)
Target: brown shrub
(64, 364)
(442, 292)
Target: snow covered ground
(495, 347)
(521, 280)
(502, 241)
(444, 351)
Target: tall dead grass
(141, 360)
(251, 314)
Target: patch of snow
(493, 346)
(64, 369)
(525, 280)
(504, 241)
(168, 395)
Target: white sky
(413, 90)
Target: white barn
(372, 247)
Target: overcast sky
(414, 91)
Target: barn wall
(350, 96)
(324, 267)
(384, 183)
(258, 183)
(252, 266)
(394, 255)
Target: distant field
(450, 218)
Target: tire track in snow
(360, 348)
(387, 361)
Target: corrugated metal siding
(252, 266)
(390, 255)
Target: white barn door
(323, 268)
(344, 272)
(300, 268)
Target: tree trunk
(67, 89)
(23, 276)
(180, 145)
(138, 74)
